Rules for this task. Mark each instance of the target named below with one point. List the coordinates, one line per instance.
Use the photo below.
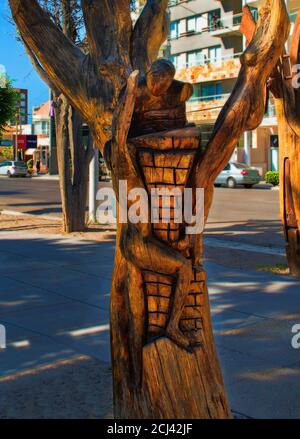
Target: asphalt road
(246, 215)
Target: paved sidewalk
(54, 302)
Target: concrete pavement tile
(100, 269)
(58, 319)
(271, 394)
(14, 264)
(227, 320)
(47, 278)
(78, 287)
(92, 341)
(24, 298)
(267, 339)
(236, 364)
(57, 250)
(29, 351)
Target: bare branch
(39, 69)
(248, 24)
(245, 108)
(150, 31)
(123, 114)
(108, 26)
(61, 60)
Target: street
(56, 295)
(246, 215)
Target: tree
(172, 371)
(8, 104)
(72, 154)
(284, 86)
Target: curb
(30, 215)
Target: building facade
(41, 128)
(205, 44)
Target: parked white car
(12, 168)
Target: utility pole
(17, 134)
(93, 185)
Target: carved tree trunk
(287, 103)
(163, 353)
(174, 382)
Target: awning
(30, 151)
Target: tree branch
(61, 60)
(39, 69)
(248, 24)
(150, 31)
(245, 108)
(109, 27)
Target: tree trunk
(289, 160)
(287, 100)
(155, 374)
(73, 165)
(164, 360)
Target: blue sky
(16, 62)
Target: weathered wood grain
(163, 352)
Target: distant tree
(73, 156)
(8, 103)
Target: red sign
(25, 141)
(20, 141)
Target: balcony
(213, 69)
(226, 26)
(205, 108)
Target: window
(196, 92)
(191, 24)
(214, 54)
(214, 21)
(196, 58)
(211, 91)
(201, 22)
(174, 29)
(41, 127)
(179, 60)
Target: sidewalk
(54, 303)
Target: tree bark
(163, 353)
(73, 164)
(287, 104)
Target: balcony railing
(209, 61)
(221, 25)
(197, 99)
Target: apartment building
(205, 44)
(41, 128)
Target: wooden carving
(163, 353)
(164, 360)
(284, 86)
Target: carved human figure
(159, 106)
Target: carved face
(160, 77)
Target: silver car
(237, 173)
(12, 168)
